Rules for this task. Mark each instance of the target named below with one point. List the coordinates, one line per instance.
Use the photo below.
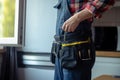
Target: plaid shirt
(97, 7)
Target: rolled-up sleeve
(97, 7)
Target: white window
(12, 18)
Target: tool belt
(71, 37)
(70, 53)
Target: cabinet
(111, 17)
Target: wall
(40, 25)
(39, 18)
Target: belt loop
(65, 36)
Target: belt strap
(79, 36)
(64, 40)
(75, 43)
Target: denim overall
(82, 32)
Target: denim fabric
(82, 72)
(77, 74)
(58, 75)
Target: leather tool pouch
(72, 56)
(68, 57)
(54, 51)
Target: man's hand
(71, 24)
